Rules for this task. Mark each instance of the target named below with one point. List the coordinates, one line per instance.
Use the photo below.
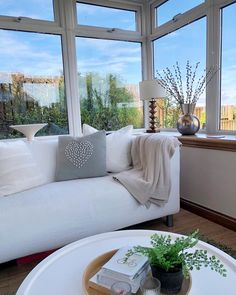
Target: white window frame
(171, 23)
(216, 9)
(117, 34)
(211, 10)
(24, 23)
(56, 27)
(85, 29)
(65, 25)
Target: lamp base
(152, 117)
(153, 131)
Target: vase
(171, 281)
(188, 124)
(29, 130)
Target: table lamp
(150, 90)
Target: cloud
(86, 9)
(109, 57)
(26, 52)
(107, 47)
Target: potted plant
(185, 90)
(170, 261)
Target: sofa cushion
(44, 152)
(58, 213)
(118, 145)
(81, 157)
(18, 170)
(55, 214)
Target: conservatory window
(178, 46)
(170, 8)
(31, 83)
(108, 77)
(228, 69)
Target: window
(171, 8)
(228, 69)
(108, 78)
(100, 16)
(31, 83)
(180, 46)
(35, 9)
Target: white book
(117, 267)
(106, 281)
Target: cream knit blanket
(149, 179)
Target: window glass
(31, 83)
(36, 9)
(108, 77)
(178, 47)
(100, 16)
(170, 8)
(228, 69)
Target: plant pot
(188, 124)
(171, 282)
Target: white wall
(208, 178)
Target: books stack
(116, 269)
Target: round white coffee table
(61, 273)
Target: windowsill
(200, 140)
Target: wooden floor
(184, 222)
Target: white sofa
(57, 213)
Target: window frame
(119, 34)
(183, 20)
(106, 32)
(189, 14)
(24, 21)
(219, 7)
(65, 25)
(213, 90)
(153, 64)
(211, 9)
(56, 27)
(126, 7)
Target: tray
(95, 265)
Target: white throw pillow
(118, 145)
(18, 171)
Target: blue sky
(98, 15)
(229, 55)
(30, 53)
(38, 9)
(40, 54)
(172, 7)
(108, 56)
(187, 43)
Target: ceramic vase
(188, 124)
(29, 130)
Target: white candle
(151, 292)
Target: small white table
(61, 273)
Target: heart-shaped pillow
(78, 153)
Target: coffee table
(61, 273)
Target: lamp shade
(150, 89)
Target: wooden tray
(95, 265)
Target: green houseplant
(170, 261)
